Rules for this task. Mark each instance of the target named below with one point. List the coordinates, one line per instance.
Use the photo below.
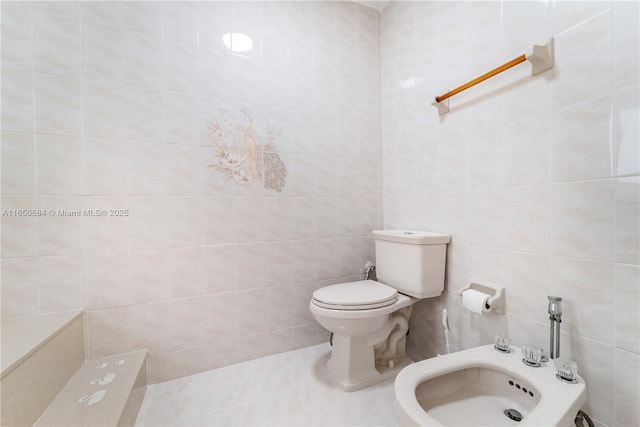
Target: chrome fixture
(502, 343)
(531, 355)
(566, 370)
(369, 271)
(555, 315)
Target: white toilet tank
(413, 262)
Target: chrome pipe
(555, 316)
(557, 333)
(551, 334)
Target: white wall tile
(186, 325)
(222, 324)
(526, 151)
(627, 300)
(105, 167)
(180, 67)
(146, 320)
(627, 232)
(109, 332)
(144, 114)
(217, 211)
(102, 11)
(569, 136)
(251, 319)
(58, 105)
(183, 172)
(528, 218)
(61, 231)
(487, 224)
(251, 265)
(181, 124)
(220, 268)
(56, 41)
(213, 24)
(20, 287)
(147, 225)
(303, 217)
(583, 223)
(18, 163)
(108, 280)
(146, 169)
(149, 276)
(584, 65)
(180, 21)
(144, 17)
(102, 44)
(626, 131)
(595, 363)
(185, 272)
(249, 220)
(280, 313)
(62, 283)
(626, 44)
(106, 223)
(17, 34)
(527, 280)
(18, 91)
(586, 302)
(183, 221)
(59, 160)
(103, 110)
(143, 64)
(627, 392)
(277, 263)
(566, 15)
(19, 236)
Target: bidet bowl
(483, 387)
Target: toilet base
(381, 373)
(358, 361)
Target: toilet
(370, 319)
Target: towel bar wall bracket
(540, 56)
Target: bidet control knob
(531, 355)
(566, 370)
(502, 343)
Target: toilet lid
(361, 295)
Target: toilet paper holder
(496, 302)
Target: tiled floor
(285, 389)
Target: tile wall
(537, 179)
(112, 105)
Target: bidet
(485, 387)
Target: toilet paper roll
(475, 300)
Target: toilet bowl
(370, 319)
(365, 351)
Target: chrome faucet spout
(555, 316)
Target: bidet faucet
(555, 316)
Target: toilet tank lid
(416, 237)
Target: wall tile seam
(536, 254)
(235, 339)
(628, 88)
(551, 255)
(584, 21)
(625, 350)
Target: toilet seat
(360, 295)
